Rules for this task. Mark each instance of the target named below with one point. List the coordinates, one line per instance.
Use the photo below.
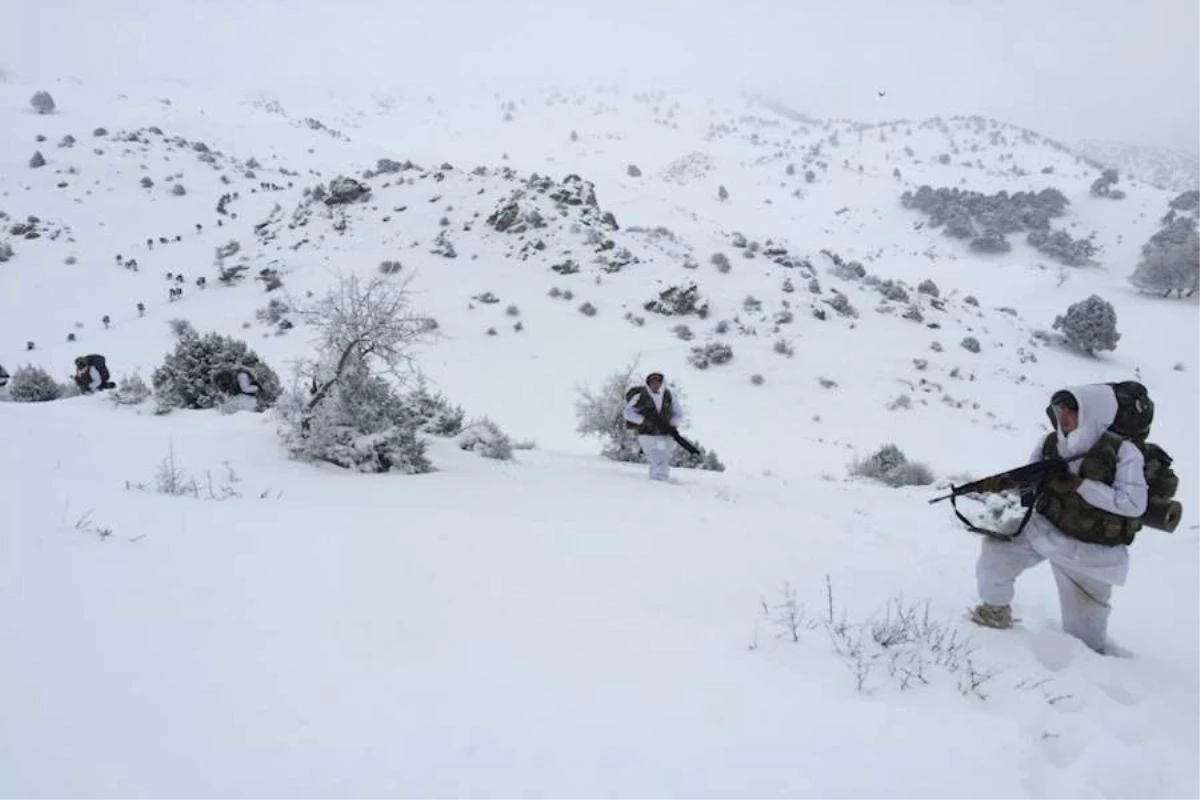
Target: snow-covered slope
(558, 624)
(1157, 166)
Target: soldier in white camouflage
(654, 413)
(1082, 523)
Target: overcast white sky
(1105, 69)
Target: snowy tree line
(986, 220)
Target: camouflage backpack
(1135, 414)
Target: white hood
(1097, 410)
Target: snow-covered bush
(483, 436)
(928, 287)
(889, 465)
(1170, 260)
(970, 344)
(37, 160)
(721, 262)
(841, 304)
(42, 102)
(433, 412)
(130, 391)
(1102, 186)
(702, 356)
(1059, 245)
(1090, 325)
(6, 252)
(600, 414)
(185, 379)
(360, 423)
(32, 384)
(678, 301)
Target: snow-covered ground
(558, 624)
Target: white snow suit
(1085, 572)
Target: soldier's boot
(990, 616)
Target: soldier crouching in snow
(654, 413)
(239, 385)
(1081, 525)
(91, 374)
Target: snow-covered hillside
(557, 624)
(1166, 169)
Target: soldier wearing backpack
(91, 374)
(1082, 521)
(654, 413)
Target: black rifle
(672, 431)
(1029, 479)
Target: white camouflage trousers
(1083, 600)
(658, 450)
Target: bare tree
(364, 324)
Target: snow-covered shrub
(587, 309)
(702, 356)
(892, 290)
(6, 252)
(901, 645)
(841, 304)
(721, 262)
(757, 380)
(37, 160)
(273, 312)
(784, 348)
(130, 391)
(1102, 186)
(705, 459)
(360, 423)
(633, 171)
(185, 379)
(928, 287)
(990, 242)
(1090, 325)
(1170, 260)
(178, 190)
(600, 414)
(389, 267)
(1059, 245)
(970, 344)
(890, 466)
(32, 384)
(678, 301)
(433, 412)
(683, 332)
(42, 102)
(483, 436)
